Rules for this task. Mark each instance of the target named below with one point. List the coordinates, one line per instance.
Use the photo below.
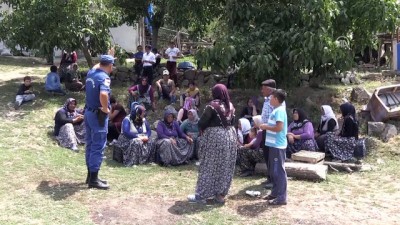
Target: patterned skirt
(71, 135)
(247, 158)
(218, 151)
(135, 151)
(170, 154)
(341, 148)
(298, 145)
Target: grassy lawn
(41, 183)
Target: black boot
(88, 178)
(94, 182)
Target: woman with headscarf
(243, 131)
(190, 103)
(191, 128)
(173, 147)
(342, 146)
(250, 110)
(69, 127)
(134, 140)
(328, 123)
(217, 147)
(143, 94)
(300, 134)
(250, 154)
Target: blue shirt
(97, 81)
(277, 139)
(138, 55)
(52, 82)
(267, 109)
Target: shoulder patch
(107, 82)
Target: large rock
(375, 129)
(185, 83)
(388, 73)
(190, 74)
(122, 69)
(389, 132)
(359, 94)
(371, 76)
(6, 52)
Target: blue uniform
(96, 136)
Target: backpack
(360, 150)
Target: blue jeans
(277, 173)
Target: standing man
(148, 60)
(172, 54)
(138, 60)
(97, 110)
(268, 86)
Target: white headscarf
(245, 124)
(257, 120)
(328, 114)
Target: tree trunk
(86, 52)
(50, 56)
(154, 37)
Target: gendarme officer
(96, 118)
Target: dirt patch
(134, 210)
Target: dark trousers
(171, 67)
(148, 72)
(277, 173)
(112, 132)
(138, 68)
(266, 153)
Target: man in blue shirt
(138, 56)
(52, 83)
(96, 118)
(276, 131)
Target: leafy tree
(284, 38)
(47, 24)
(194, 15)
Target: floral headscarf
(195, 117)
(136, 112)
(70, 114)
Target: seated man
(143, 94)
(52, 83)
(166, 88)
(72, 82)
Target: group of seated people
(340, 145)
(71, 78)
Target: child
(275, 139)
(253, 138)
(25, 92)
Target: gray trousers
(277, 173)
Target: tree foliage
(72, 24)
(283, 38)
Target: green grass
(41, 183)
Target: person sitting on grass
(190, 127)
(25, 92)
(69, 128)
(250, 154)
(143, 94)
(300, 134)
(72, 82)
(117, 114)
(52, 83)
(276, 131)
(183, 112)
(135, 138)
(328, 123)
(173, 147)
(166, 88)
(192, 92)
(243, 131)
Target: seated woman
(143, 93)
(250, 154)
(328, 124)
(190, 128)
(342, 146)
(300, 134)
(243, 131)
(250, 110)
(69, 127)
(183, 112)
(192, 92)
(117, 114)
(135, 142)
(173, 147)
